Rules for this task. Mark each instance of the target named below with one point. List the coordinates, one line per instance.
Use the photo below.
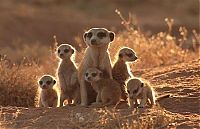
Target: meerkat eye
(128, 91)
(48, 82)
(86, 74)
(89, 35)
(66, 50)
(94, 74)
(129, 54)
(101, 34)
(40, 82)
(58, 50)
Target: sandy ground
(182, 110)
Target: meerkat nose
(61, 54)
(93, 41)
(89, 78)
(44, 86)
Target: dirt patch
(180, 111)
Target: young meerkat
(108, 90)
(121, 71)
(48, 96)
(138, 89)
(67, 75)
(96, 55)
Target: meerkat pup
(48, 96)
(67, 75)
(138, 89)
(108, 90)
(96, 55)
(121, 71)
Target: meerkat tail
(162, 97)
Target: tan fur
(67, 75)
(121, 71)
(108, 90)
(138, 89)
(96, 55)
(48, 97)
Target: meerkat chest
(66, 70)
(120, 71)
(49, 95)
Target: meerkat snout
(65, 51)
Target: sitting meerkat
(108, 90)
(138, 89)
(67, 75)
(96, 55)
(48, 96)
(121, 71)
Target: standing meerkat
(48, 96)
(121, 71)
(67, 75)
(96, 55)
(138, 89)
(108, 90)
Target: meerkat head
(98, 37)
(134, 87)
(65, 51)
(93, 74)
(127, 54)
(46, 82)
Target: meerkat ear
(112, 36)
(54, 82)
(142, 85)
(84, 36)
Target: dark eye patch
(66, 50)
(101, 34)
(86, 74)
(128, 92)
(129, 54)
(89, 35)
(94, 74)
(58, 50)
(40, 82)
(48, 82)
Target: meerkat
(138, 89)
(121, 71)
(67, 75)
(48, 96)
(96, 55)
(108, 90)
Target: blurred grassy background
(36, 21)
